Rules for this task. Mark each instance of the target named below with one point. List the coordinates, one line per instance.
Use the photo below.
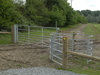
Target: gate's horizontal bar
(39, 35)
(35, 31)
(24, 37)
(80, 40)
(40, 31)
(29, 40)
(23, 29)
(57, 43)
(44, 27)
(57, 57)
(35, 40)
(58, 50)
(56, 62)
(22, 33)
(81, 45)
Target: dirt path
(17, 56)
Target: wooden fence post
(74, 34)
(12, 33)
(65, 56)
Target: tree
(8, 16)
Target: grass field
(79, 65)
(5, 38)
(97, 27)
(89, 29)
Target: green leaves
(57, 14)
(8, 16)
(39, 12)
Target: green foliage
(56, 14)
(91, 16)
(8, 16)
(38, 12)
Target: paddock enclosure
(35, 35)
(34, 44)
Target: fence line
(66, 52)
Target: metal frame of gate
(56, 46)
(35, 35)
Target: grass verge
(97, 27)
(5, 38)
(69, 27)
(79, 65)
(89, 30)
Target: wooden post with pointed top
(65, 56)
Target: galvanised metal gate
(33, 34)
(80, 44)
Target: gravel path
(37, 71)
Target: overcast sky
(85, 4)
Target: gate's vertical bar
(88, 49)
(52, 51)
(72, 41)
(17, 33)
(65, 55)
(28, 34)
(57, 38)
(84, 43)
(42, 36)
(14, 33)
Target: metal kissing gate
(40, 36)
(80, 44)
(35, 35)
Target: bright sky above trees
(85, 4)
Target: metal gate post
(14, 33)
(84, 43)
(52, 51)
(72, 41)
(88, 49)
(57, 31)
(42, 36)
(28, 34)
(17, 33)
